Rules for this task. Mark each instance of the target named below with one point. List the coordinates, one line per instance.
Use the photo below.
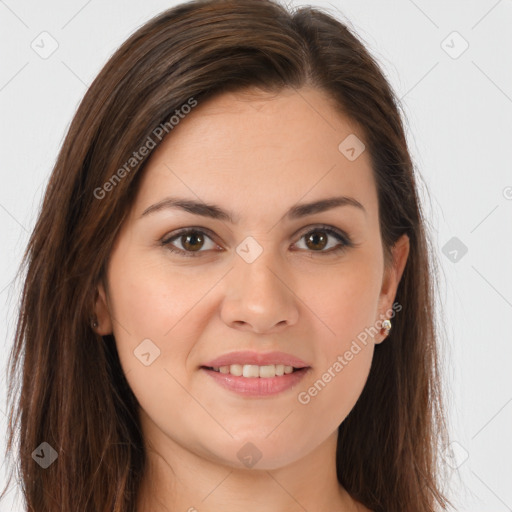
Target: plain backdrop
(451, 65)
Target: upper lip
(256, 358)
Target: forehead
(249, 150)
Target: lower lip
(257, 386)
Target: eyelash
(339, 235)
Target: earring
(386, 325)
(94, 323)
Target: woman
(228, 300)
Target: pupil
(315, 238)
(191, 246)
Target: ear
(102, 312)
(392, 275)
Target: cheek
(346, 300)
(346, 303)
(150, 303)
(155, 323)
(333, 390)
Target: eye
(317, 240)
(192, 240)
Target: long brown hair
(74, 395)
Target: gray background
(458, 107)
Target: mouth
(255, 371)
(258, 382)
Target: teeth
(252, 370)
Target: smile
(250, 380)
(253, 370)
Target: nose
(259, 296)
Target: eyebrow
(216, 212)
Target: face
(185, 288)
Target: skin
(257, 155)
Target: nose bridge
(258, 293)
(256, 266)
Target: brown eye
(317, 240)
(191, 240)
